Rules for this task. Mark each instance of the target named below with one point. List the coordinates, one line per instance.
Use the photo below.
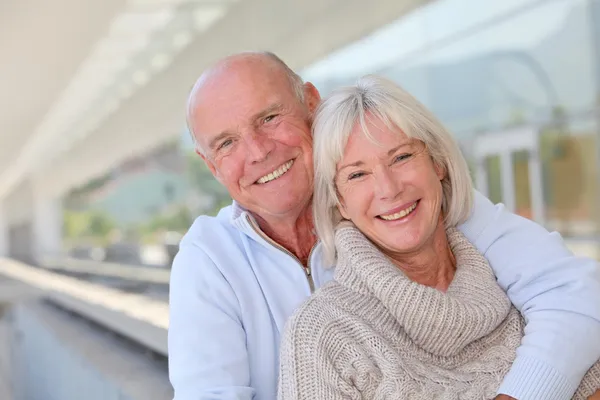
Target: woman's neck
(433, 265)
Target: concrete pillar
(594, 14)
(4, 245)
(481, 176)
(47, 227)
(508, 180)
(536, 188)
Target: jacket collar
(244, 221)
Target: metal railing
(136, 273)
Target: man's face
(256, 138)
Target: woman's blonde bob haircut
(382, 99)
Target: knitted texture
(373, 333)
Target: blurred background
(98, 175)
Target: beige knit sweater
(374, 334)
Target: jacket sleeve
(207, 344)
(557, 293)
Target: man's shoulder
(208, 230)
(210, 241)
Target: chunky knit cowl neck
(372, 333)
(439, 323)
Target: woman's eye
(401, 157)
(355, 175)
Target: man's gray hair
(295, 80)
(384, 100)
(296, 83)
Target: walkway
(5, 390)
(11, 291)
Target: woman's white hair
(381, 99)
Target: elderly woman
(414, 311)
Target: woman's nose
(388, 185)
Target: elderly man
(239, 276)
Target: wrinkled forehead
(232, 107)
(229, 101)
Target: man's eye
(225, 143)
(270, 118)
(355, 175)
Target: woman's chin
(398, 240)
(406, 247)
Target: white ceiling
(88, 58)
(88, 84)
(42, 44)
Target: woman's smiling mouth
(400, 214)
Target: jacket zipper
(306, 269)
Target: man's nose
(259, 147)
(388, 185)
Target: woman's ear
(440, 170)
(342, 209)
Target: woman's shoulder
(314, 344)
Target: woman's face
(391, 190)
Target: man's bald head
(255, 66)
(251, 117)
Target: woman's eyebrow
(395, 149)
(354, 164)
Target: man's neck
(294, 234)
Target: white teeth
(400, 214)
(277, 173)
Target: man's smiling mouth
(277, 173)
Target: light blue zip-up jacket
(232, 291)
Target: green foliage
(179, 221)
(89, 225)
(202, 180)
(517, 118)
(90, 186)
(200, 176)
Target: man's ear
(312, 97)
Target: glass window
(480, 65)
(486, 67)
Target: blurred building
(517, 82)
(93, 96)
(143, 187)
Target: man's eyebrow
(261, 114)
(264, 113)
(215, 141)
